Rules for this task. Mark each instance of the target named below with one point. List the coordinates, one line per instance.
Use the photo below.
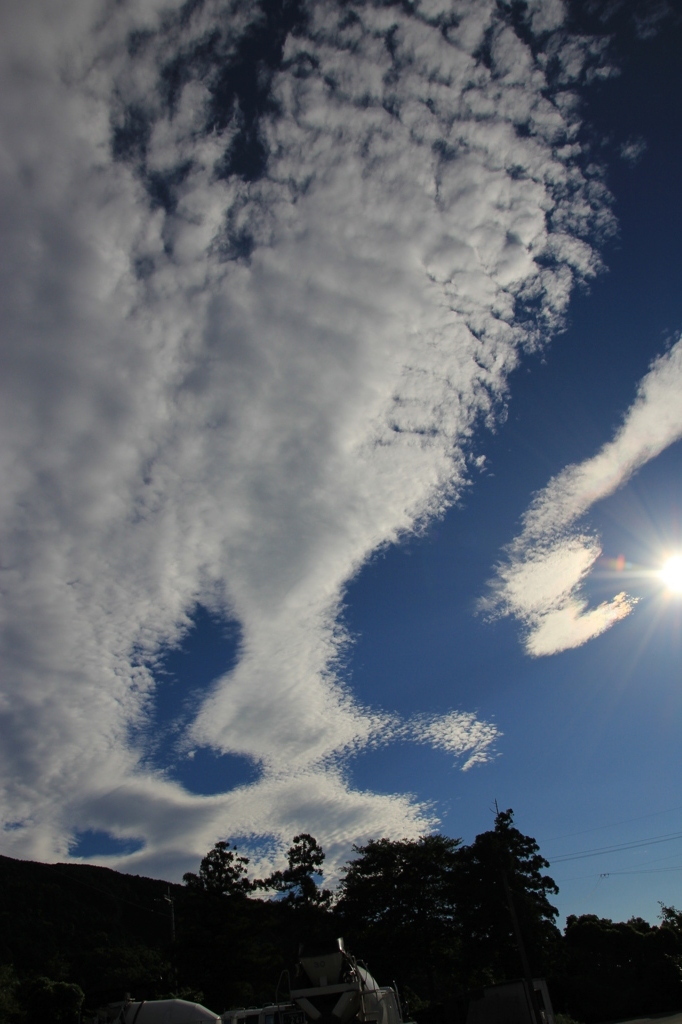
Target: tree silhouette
(498, 864)
(622, 968)
(298, 881)
(398, 905)
(221, 871)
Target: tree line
(439, 918)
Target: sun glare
(671, 574)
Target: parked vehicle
(331, 987)
(156, 1011)
(510, 1003)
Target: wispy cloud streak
(539, 582)
(262, 281)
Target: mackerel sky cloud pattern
(265, 274)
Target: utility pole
(173, 953)
(169, 899)
(528, 977)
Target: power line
(625, 821)
(606, 874)
(652, 840)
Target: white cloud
(459, 733)
(649, 23)
(539, 582)
(233, 391)
(633, 150)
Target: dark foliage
(622, 969)
(298, 881)
(398, 909)
(221, 872)
(501, 862)
(106, 932)
(430, 914)
(44, 1000)
(10, 1007)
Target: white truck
(156, 1011)
(331, 988)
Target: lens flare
(671, 574)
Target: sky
(341, 420)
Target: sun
(671, 574)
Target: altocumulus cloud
(265, 270)
(539, 581)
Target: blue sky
(341, 433)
